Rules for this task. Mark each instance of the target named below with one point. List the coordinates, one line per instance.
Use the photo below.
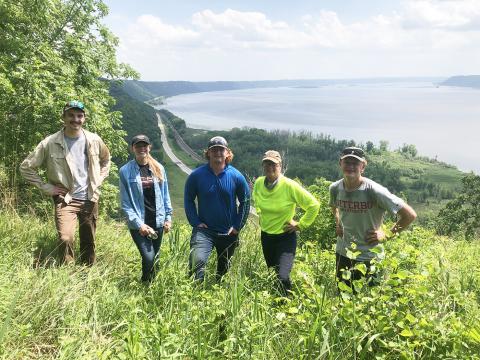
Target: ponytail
(155, 168)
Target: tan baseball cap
(273, 156)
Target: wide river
(442, 122)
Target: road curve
(168, 150)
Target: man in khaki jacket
(76, 162)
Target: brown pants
(66, 218)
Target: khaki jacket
(52, 154)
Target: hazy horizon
(379, 78)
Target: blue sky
(180, 11)
(255, 40)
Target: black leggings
(279, 252)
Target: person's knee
(198, 259)
(200, 249)
(148, 259)
(66, 239)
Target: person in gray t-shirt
(359, 205)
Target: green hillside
(176, 181)
(136, 90)
(137, 117)
(426, 307)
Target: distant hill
(137, 117)
(136, 90)
(146, 90)
(472, 81)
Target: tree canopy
(462, 214)
(52, 51)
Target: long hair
(155, 167)
(228, 158)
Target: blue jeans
(202, 243)
(149, 250)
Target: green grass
(447, 176)
(427, 306)
(182, 155)
(176, 182)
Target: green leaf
(292, 310)
(402, 274)
(376, 250)
(344, 287)
(406, 333)
(474, 335)
(361, 267)
(353, 254)
(410, 318)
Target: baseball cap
(217, 141)
(273, 156)
(74, 104)
(140, 138)
(354, 152)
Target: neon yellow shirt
(276, 207)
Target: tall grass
(427, 306)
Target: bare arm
(339, 227)
(406, 215)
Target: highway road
(168, 149)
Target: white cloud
(150, 31)
(424, 37)
(245, 30)
(446, 14)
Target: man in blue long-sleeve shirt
(217, 220)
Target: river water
(442, 122)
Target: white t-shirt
(78, 151)
(362, 210)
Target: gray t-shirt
(78, 151)
(362, 210)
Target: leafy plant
(462, 214)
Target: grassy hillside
(176, 181)
(136, 90)
(427, 185)
(426, 307)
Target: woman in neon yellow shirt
(276, 198)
